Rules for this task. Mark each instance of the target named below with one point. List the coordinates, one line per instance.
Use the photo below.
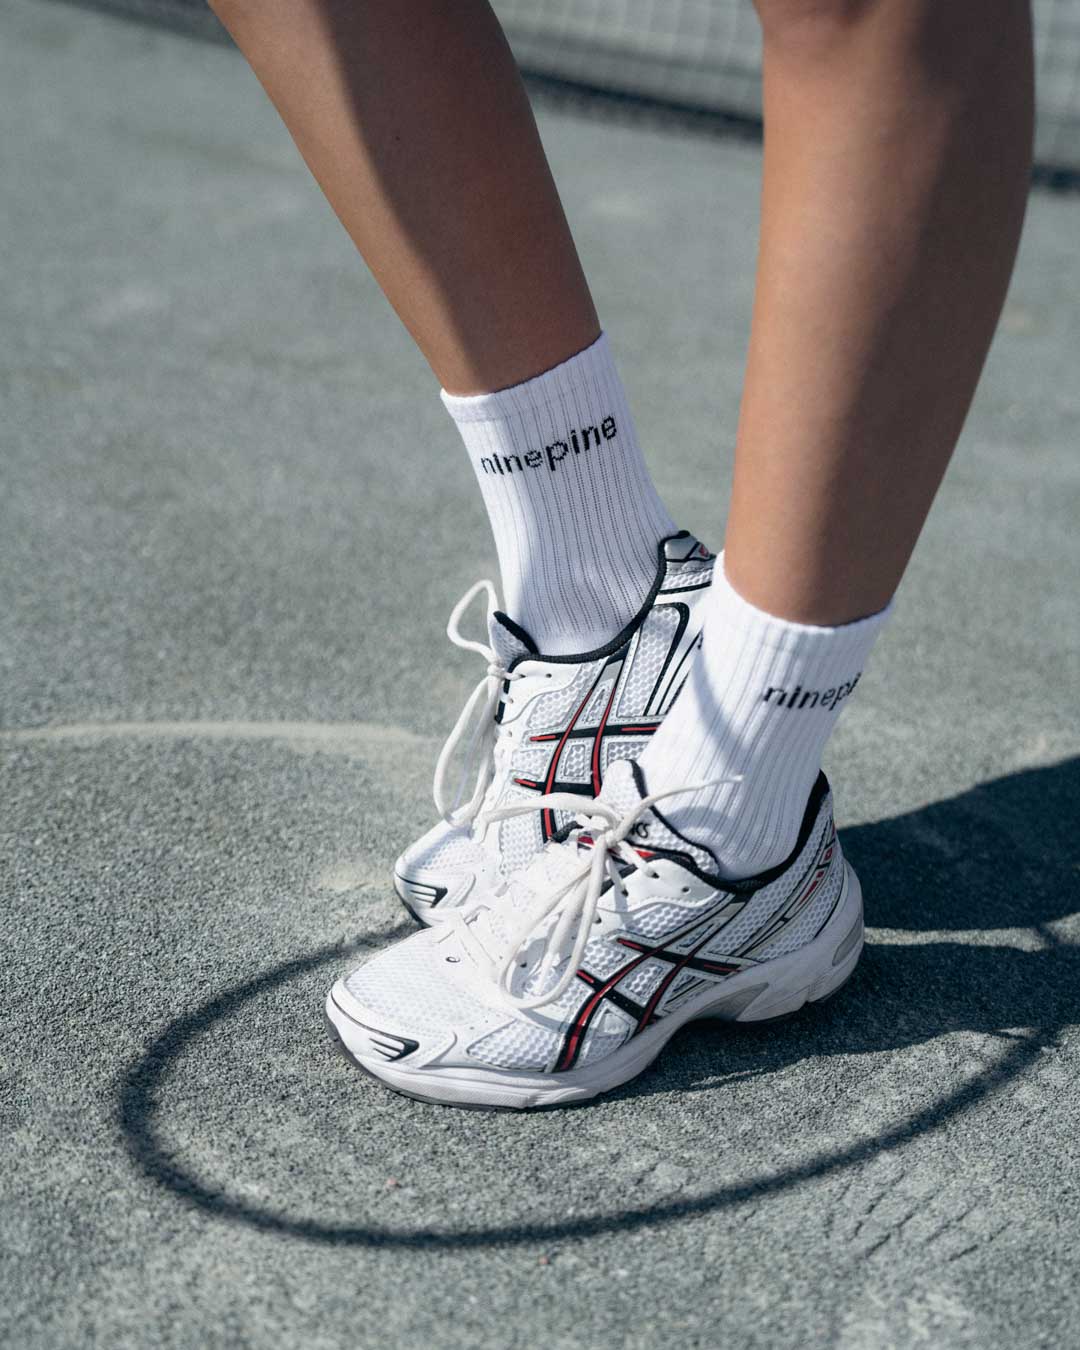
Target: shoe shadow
(1003, 855)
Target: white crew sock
(760, 700)
(575, 515)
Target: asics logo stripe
(613, 729)
(576, 1033)
(677, 968)
(598, 739)
(695, 962)
(714, 921)
(671, 692)
(548, 816)
(683, 611)
(613, 669)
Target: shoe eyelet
(653, 876)
(686, 890)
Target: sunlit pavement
(233, 518)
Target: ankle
(759, 704)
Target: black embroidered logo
(809, 698)
(578, 441)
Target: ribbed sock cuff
(562, 383)
(733, 615)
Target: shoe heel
(821, 968)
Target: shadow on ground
(1003, 855)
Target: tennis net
(705, 56)
(701, 58)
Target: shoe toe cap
(413, 991)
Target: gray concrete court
(233, 519)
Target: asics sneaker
(619, 932)
(548, 724)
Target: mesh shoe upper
(665, 930)
(561, 722)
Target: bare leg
(416, 125)
(897, 160)
(897, 142)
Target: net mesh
(706, 56)
(702, 57)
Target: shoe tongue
(556, 864)
(509, 640)
(621, 788)
(549, 870)
(624, 787)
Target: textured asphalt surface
(233, 519)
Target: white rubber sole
(762, 993)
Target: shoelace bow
(481, 741)
(576, 901)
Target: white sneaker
(543, 724)
(573, 979)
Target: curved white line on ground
(348, 738)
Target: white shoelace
(575, 901)
(481, 740)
